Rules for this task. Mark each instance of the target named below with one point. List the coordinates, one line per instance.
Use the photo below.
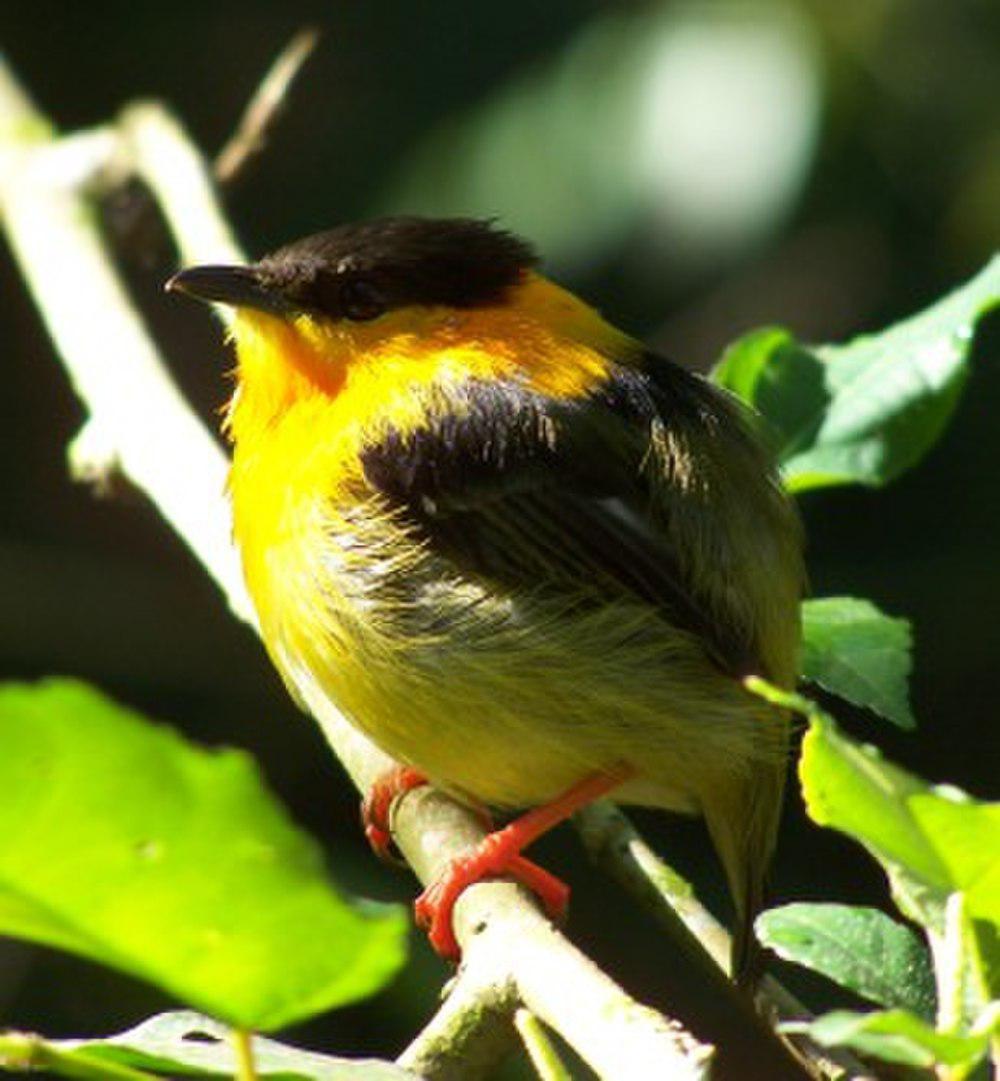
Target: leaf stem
(246, 1070)
(544, 1057)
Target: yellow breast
(312, 393)
(509, 711)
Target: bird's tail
(742, 818)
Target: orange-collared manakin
(531, 559)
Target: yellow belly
(507, 699)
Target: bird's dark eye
(360, 299)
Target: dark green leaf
(894, 1036)
(185, 1043)
(864, 412)
(124, 843)
(862, 949)
(853, 650)
(783, 380)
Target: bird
(531, 559)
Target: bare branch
(470, 1033)
(169, 164)
(55, 237)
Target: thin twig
(544, 1057)
(266, 105)
(124, 388)
(615, 845)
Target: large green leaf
(894, 1036)
(188, 1044)
(863, 412)
(862, 949)
(124, 843)
(855, 651)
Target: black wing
(533, 492)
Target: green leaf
(24, 1052)
(864, 412)
(939, 847)
(934, 841)
(783, 380)
(862, 949)
(966, 834)
(894, 1036)
(123, 843)
(966, 957)
(853, 650)
(188, 1044)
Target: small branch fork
(139, 424)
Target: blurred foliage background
(695, 169)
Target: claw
(376, 807)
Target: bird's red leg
(500, 854)
(376, 807)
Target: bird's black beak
(237, 286)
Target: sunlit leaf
(939, 847)
(934, 841)
(187, 1044)
(894, 1036)
(124, 843)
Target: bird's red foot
(376, 808)
(433, 908)
(500, 854)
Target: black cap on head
(359, 271)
